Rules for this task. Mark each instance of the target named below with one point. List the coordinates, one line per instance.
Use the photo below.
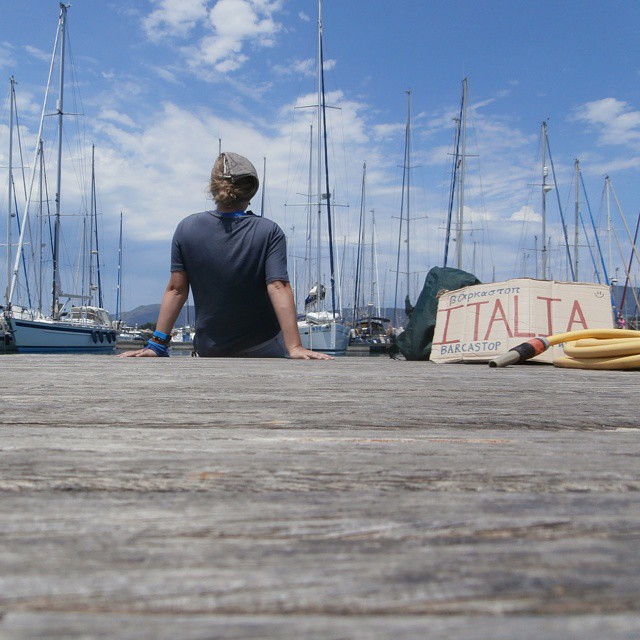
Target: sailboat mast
(60, 113)
(12, 102)
(545, 189)
(374, 280)
(576, 221)
(309, 230)
(360, 248)
(94, 231)
(319, 164)
(408, 165)
(463, 160)
(264, 185)
(16, 263)
(607, 184)
(454, 186)
(119, 285)
(40, 221)
(91, 218)
(376, 271)
(327, 194)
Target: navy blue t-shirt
(229, 262)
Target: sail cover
(416, 340)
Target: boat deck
(359, 498)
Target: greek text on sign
(476, 324)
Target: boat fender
(100, 336)
(114, 336)
(94, 336)
(108, 334)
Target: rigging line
(360, 242)
(80, 139)
(328, 194)
(524, 227)
(47, 200)
(22, 166)
(94, 223)
(454, 175)
(595, 232)
(29, 232)
(488, 238)
(38, 137)
(627, 273)
(584, 227)
(590, 248)
(404, 178)
(564, 228)
(624, 220)
(24, 187)
(288, 177)
(78, 172)
(628, 278)
(24, 262)
(445, 187)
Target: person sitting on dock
(236, 266)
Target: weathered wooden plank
(284, 499)
(42, 626)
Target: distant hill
(149, 313)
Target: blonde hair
(228, 192)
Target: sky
(162, 85)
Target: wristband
(158, 349)
(161, 337)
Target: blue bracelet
(159, 334)
(159, 349)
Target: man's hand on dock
(140, 353)
(300, 353)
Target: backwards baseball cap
(238, 171)
(235, 167)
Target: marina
(200, 498)
(440, 489)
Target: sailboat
(405, 216)
(66, 328)
(321, 329)
(369, 329)
(6, 342)
(457, 190)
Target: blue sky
(162, 81)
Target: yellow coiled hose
(611, 349)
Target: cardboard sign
(475, 324)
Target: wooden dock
(191, 498)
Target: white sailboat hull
(331, 338)
(49, 336)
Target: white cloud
(594, 164)
(39, 54)
(165, 74)
(327, 65)
(6, 55)
(525, 214)
(159, 170)
(388, 131)
(305, 68)
(304, 17)
(617, 122)
(117, 117)
(174, 19)
(235, 24)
